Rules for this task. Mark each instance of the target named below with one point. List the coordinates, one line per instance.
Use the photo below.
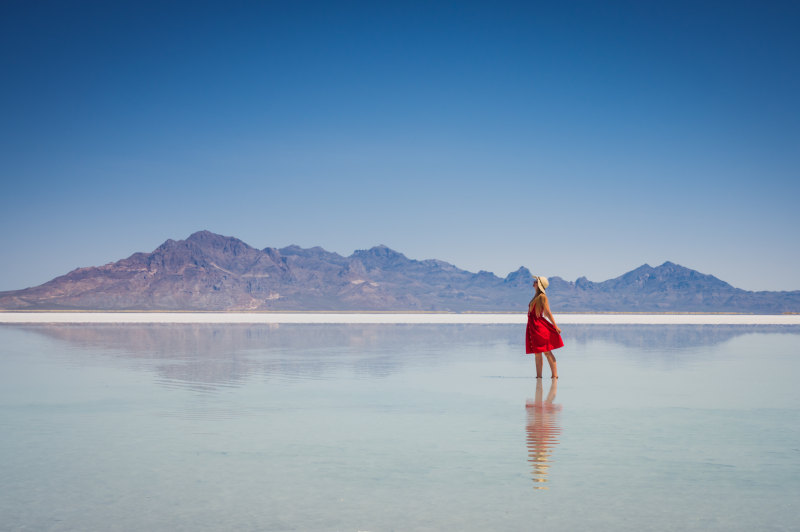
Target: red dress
(541, 335)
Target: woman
(542, 336)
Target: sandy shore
(388, 317)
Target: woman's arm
(549, 315)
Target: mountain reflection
(206, 357)
(543, 429)
(639, 336)
(210, 356)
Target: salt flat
(390, 317)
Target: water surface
(397, 427)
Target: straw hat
(543, 283)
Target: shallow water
(397, 427)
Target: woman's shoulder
(539, 301)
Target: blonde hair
(537, 303)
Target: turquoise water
(397, 427)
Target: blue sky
(578, 138)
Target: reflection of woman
(542, 431)
(542, 336)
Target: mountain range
(208, 271)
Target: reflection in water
(208, 358)
(543, 428)
(213, 357)
(639, 336)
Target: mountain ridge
(208, 271)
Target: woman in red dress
(542, 336)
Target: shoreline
(433, 318)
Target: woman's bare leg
(552, 360)
(538, 365)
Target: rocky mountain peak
(381, 250)
(522, 271)
(199, 236)
(226, 244)
(520, 277)
(380, 256)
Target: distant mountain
(668, 288)
(213, 272)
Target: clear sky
(574, 138)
